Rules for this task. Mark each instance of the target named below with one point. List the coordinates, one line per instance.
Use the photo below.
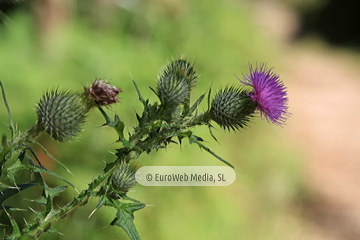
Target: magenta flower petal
(269, 92)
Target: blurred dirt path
(324, 94)
(324, 91)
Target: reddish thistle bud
(101, 93)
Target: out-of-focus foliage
(137, 37)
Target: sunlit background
(296, 182)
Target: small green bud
(232, 108)
(172, 90)
(123, 178)
(181, 69)
(61, 113)
(175, 83)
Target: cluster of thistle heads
(61, 113)
(232, 107)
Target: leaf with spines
(16, 233)
(150, 112)
(9, 192)
(197, 140)
(40, 169)
(117, 124)
(125, 213)
(52, 157)
(125, 217)
(195, 105)
(12, 169)
(5, 151)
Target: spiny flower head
(181, 69)
(123, 178)
(232, 108)
(61, 114)
(268, 92)
(102, 93)
(175, 83)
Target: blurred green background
(67, 44)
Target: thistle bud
(123, 178)
(172, 91)
(181, 69)
(101, 93)
(175, 83)
(232, 108)
(60, 114)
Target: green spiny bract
(172, 90)
(61, 113)
(123, 178)
(181, 69)
(232, 108)
(174, 86)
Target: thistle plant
(169, 121)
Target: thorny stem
(134, 139)
(81, 200)
(201, 119)
(26, 137)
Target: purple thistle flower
(269, 92)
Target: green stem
(11, 123)
(63, 212)
(134, 139)
(21, 139)
(33, 132)
(202, 119)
